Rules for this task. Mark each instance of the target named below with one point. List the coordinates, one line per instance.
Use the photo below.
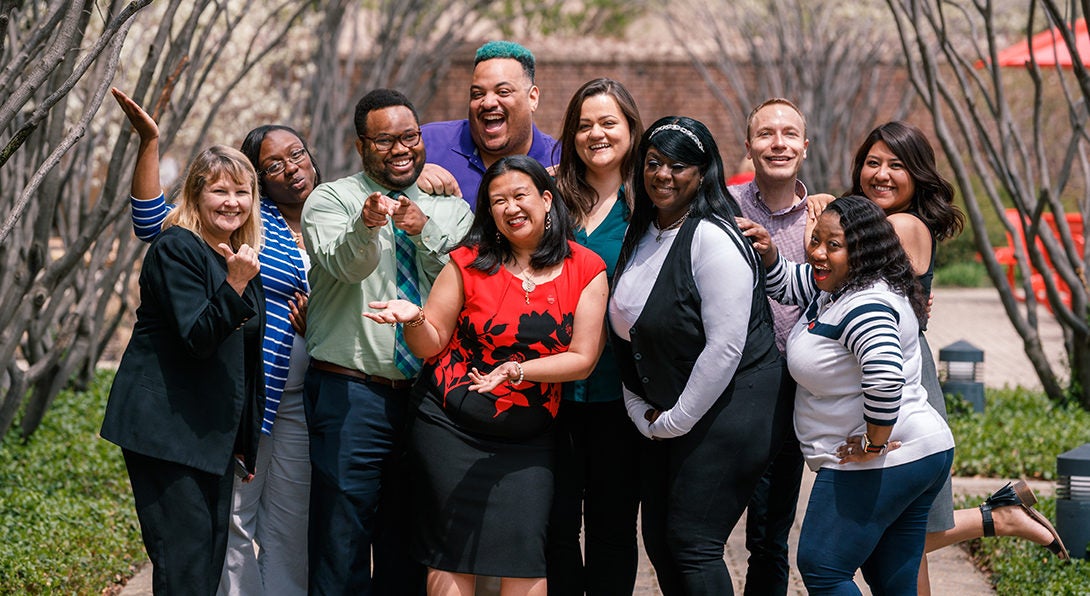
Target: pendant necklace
(528, 284)
(673, 226)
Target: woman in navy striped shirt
(270, 505)
(881, 453)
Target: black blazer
(193, 368)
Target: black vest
(669, 333)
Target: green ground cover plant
(1020, 434)
(67, 523)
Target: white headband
(682, 130)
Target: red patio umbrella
(1048, 48)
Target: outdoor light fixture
(961, 372)
(1073, 500)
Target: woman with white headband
(693, 336)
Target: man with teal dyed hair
(502, 101)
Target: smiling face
(777, 143)
(603, 138)
(223, 206)
(502, 100)
(399, 166)
(827, 253)
(293, 184)
(519, 208)
(886, 181)
(670, 184)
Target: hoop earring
(548, 221)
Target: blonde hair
(211, 165)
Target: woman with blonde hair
(186, 403)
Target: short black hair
(251, 148)
(377, 100)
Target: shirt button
(637, 356)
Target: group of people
(374, 385)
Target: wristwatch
(869, 447)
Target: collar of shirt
(750, 193)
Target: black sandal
(1020, 494)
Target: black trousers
(695, 487)
(184, 515)
(769, 517)
(597, 487)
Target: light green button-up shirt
(352, 265)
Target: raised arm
(149, 207)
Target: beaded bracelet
(418, 321)
(522, 375)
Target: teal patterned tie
(405, 256)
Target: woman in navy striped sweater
(270, 506)
(881, 453)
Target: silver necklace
(673, 226)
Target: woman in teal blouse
(597, 480)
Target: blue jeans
(870, 519)
(356, 437)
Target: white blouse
(725, 283)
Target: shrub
(1020, 433)
(67, 522)
(967, 274)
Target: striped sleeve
(871, 333)
(790, 283)
(148, 216)
(282, 275)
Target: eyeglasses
(296, 156)
(386, 142)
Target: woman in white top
(861, 414)
(692, 333)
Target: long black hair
(875, 252)
(251, 148)
(687, 141)
(493, 249)
(933, 200)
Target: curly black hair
(875, 252)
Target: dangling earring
(499, 237)
(548, 221)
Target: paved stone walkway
(974, 315)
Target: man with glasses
(502, 101)
(371, 236)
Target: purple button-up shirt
(787, 227)
(450, 145)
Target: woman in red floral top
(517, 311)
